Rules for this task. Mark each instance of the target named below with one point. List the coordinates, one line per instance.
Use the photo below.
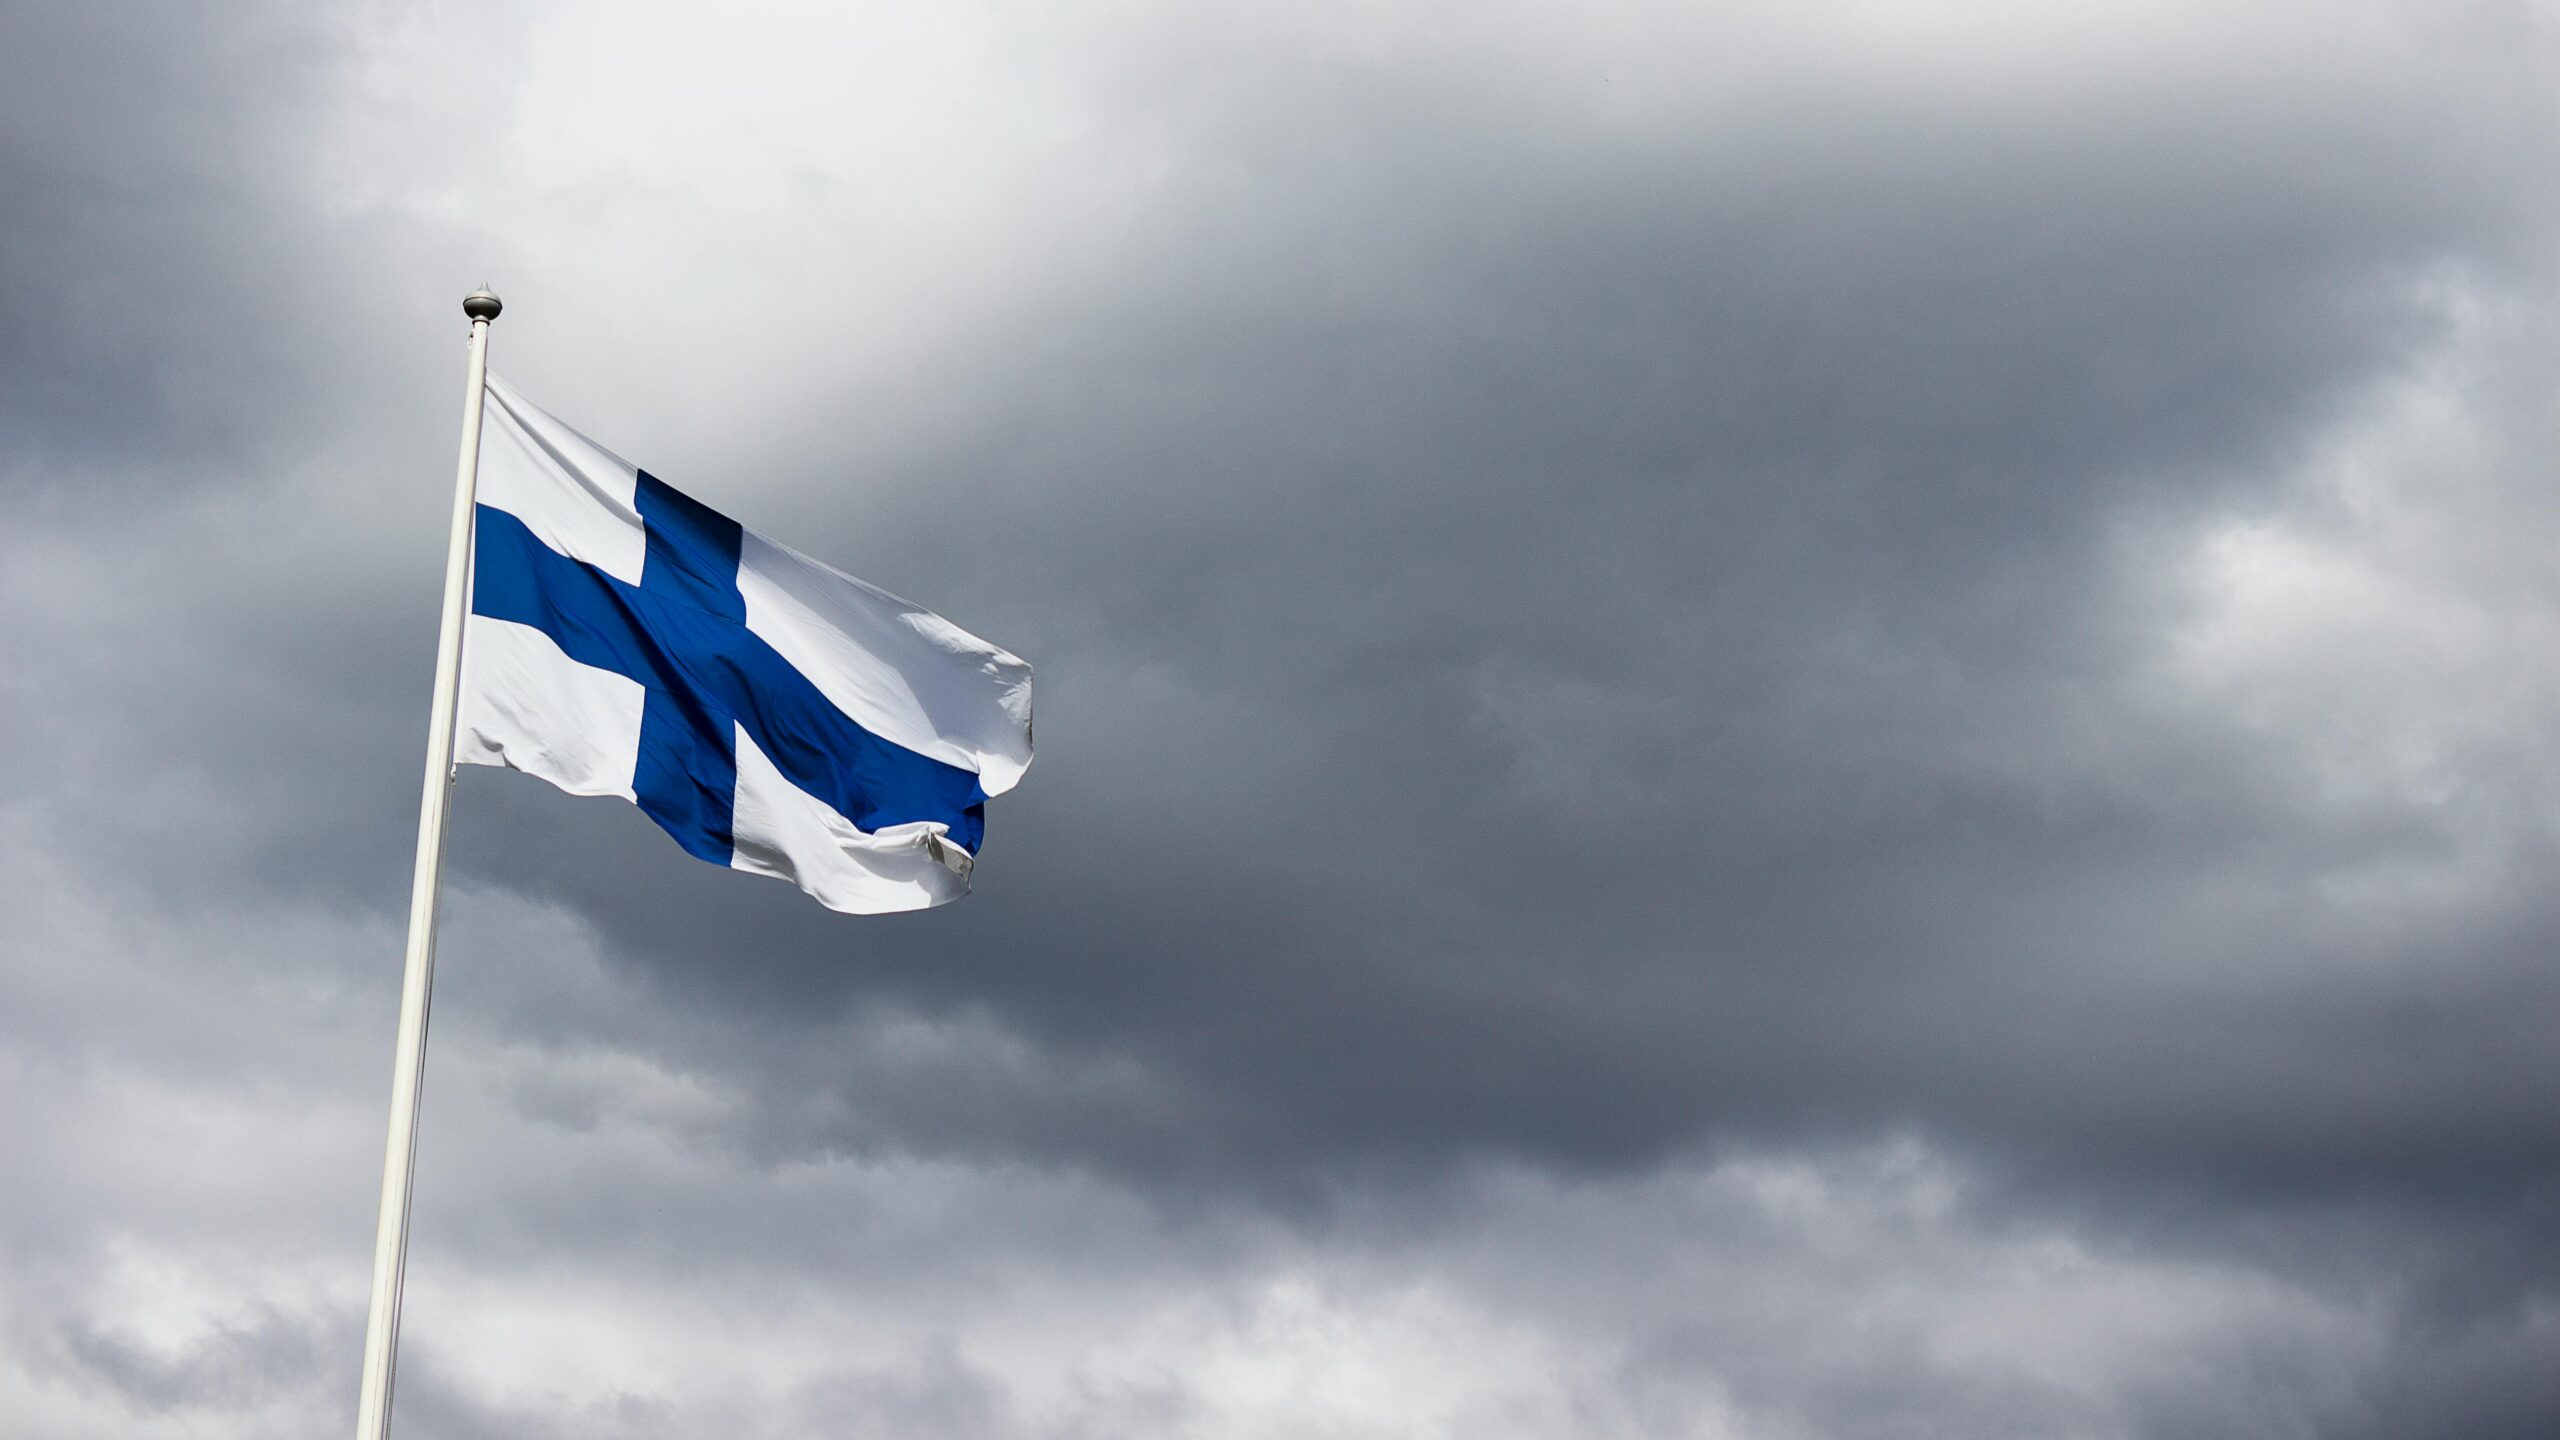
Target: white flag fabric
(770, 713)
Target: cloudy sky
(1758, 720)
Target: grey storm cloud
(1752, 724)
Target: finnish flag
(771, 713)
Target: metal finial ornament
(481, 305)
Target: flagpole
(391, 1231)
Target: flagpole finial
(481, 305)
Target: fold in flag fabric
(771, 713)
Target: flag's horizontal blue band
(694, 658)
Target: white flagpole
(391, 1233)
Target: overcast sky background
(1757, 720)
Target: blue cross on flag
(771, 713)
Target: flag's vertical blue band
(687, 778)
